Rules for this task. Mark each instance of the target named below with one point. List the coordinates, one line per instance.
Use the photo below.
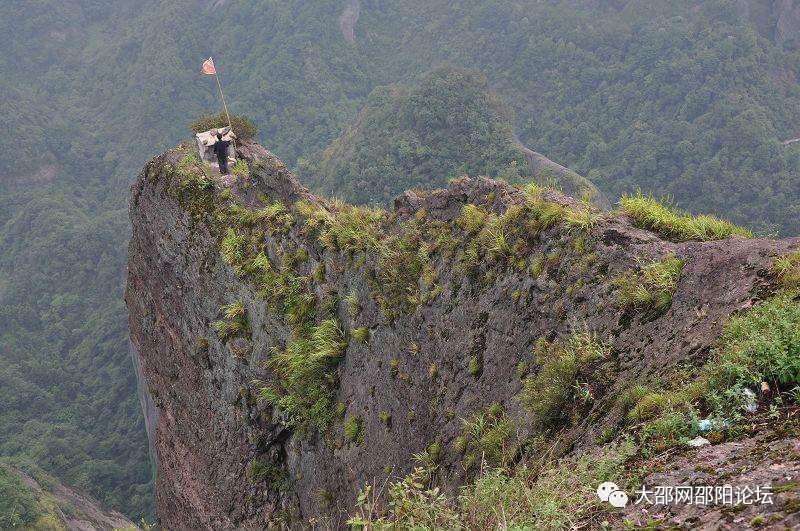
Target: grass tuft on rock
(361, 335)
(583, 219)
(787, 270)
(650, 289)
(306, 381)
(489, 437)
(234, 322)
(571, 377)
(675, 225)
(354, 429)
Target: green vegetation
(582, 218)
(545, 495)
(19, 508)
(475, 366)
(401, 258)
(760, 344)
(449, 123)
(68, 400)
(32, 508)
(344, 227)
(571, 377)
(650, 289)
(354, 429)
(353, 304)
(305, 368)
(434, 452)
(361, 335)
(240, 168)
(679, 98)
(261, 470)
(675, 225)
(243, 127)
(235, 322)
(508, 238)
(787, 269)
(489, 438)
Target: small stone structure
(205, 144)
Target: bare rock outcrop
(431, 334)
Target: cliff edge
(297, 348)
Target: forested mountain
(676, 97)
(448, 125)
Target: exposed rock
(475, 330)
(349, 19)
(769, 459)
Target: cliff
(298, 348)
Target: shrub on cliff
(305, 389)
(569, 378)
(244, 128)
(761, 344)
(787, 270)
(489, 437)
(543, 495)
(234, 322)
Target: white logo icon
(610, 492)
(618, 499)
(605, 490)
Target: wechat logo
(610, 492)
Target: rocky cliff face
(412, 321)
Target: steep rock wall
(450, 347)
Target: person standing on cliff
(221, 149)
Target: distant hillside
(446, 125)
(42, 503)
(679, 98)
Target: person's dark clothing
(221, 149)
(223, 165)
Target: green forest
(449, 124)
(679, 98)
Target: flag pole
(225, 106)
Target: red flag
(208, 67)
